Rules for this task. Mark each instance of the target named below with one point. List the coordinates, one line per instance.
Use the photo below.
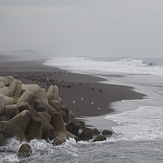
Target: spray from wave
(95, 66)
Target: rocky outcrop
(24, 151)
(29, 112)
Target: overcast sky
(115, 28)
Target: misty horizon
(83, 28)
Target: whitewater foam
(145, 123)
(82, 65)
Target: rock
(82, 124)
(15, 88)
(2, 79)
(34, 130)
(67, 116)
(56, 104)
(41, 109)
(47, 129)
(30, 87)
(45, 115)
(17, 125)
(41, 95)
(2, 105)
(107, 133)
(27, 96)
(11, 111)
(37, 103)
(25, 151)
(57, 122)
(60, 100)
(9, 100)
(2, 140)
(59, 137)
(3, 118)
(86, 134)
(8, 80)
(52, 93)
(71, 116)
(73, 127)
(99, 138)
(5, 91)
(96, 131)
(2, 84)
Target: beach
(128, 103)
(83, 94)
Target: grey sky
(112, 28)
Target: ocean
(138, 124)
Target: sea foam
(145, 123)
(92, 66)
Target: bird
(73, 102)
(99, 108)
(92, 102)
(81, 99)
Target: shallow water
(138, 124)
(108, 151)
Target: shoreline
(83, 94)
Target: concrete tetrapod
(47, 129)
(34, 130)
(16, 126)
(42, 96)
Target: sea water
(138, 124)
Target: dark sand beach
(81, 93)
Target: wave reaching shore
(140, 122)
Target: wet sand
(81, 93)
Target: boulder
(45, 115)
(9, 100)
(56, 104)
(73, 127)
(2, 105)
(60, 100)
(86, 134)
(82, 124)
(96, 131)
(41, 109)
(2, 84)
(41, 95)
(34, 130)
(107, 133)
(71, 116)
(66, 118)
(2, 140)
(5, 91)
(99, 138)
(3, 118)
(37, 103)
(2, 79)
(59, 137)
(57, 122)
(15, 88)
(11, 111)
(16, 126)
(47, 129)
(8, 80)
(27, 96)
(24, 151)
(30, 87)
(53, 93)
